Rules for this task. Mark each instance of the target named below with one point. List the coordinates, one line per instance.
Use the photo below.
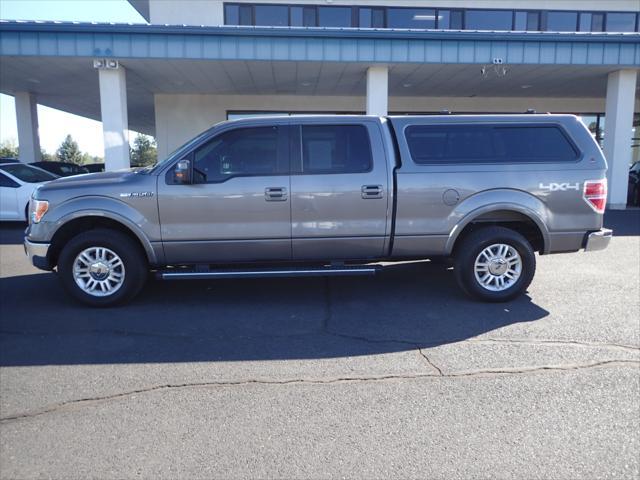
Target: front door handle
(275, 194)
(371, 191)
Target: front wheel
(102, 267)
(494, 264)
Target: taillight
(595, 193)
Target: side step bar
(205, 274)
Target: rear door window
(335, 149)
(447, 144)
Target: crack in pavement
(72, 404)
(435, 371)
(431, 364)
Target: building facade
(199, 62)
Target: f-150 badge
(136, 194)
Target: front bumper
(598, 240)
(37, 253)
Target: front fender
(143, 226)
(498, 200)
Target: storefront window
(450, 19)
(334, 16)
(427, 18)
(591, 22)
(303, 17)
(562, 21)
(488, 20)
(272, 15)
(621, 22)
(591, 122)
(422, 18)
(527, 21)
(371, 18)
(364, 18)
(238, 15)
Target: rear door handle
(275, 194)
(371, 191)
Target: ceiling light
(525, 86)
(306, 84)
(427, 17)
(407, 85)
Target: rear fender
(498, 200)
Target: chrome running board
(207, 274)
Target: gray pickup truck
(331, 195)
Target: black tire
(445, 262)
(633, 197)
(470, 248)
(129, 251)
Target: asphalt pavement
(393, 376)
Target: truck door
(339, 190)
(237, 207)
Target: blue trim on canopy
(123, 41)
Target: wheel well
(79, 225)
(516, 221)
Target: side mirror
(182, 172)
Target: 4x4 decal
(559, 187)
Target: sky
(54, 125)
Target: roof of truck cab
(568, 121)
(286, 119)
(405, 119)
(517, 117)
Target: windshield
(28, 174)
(181, 150)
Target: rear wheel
(494, 264)
(102, 267)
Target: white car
(17, 182)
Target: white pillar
(113, 108)
(377, 91)
(27, 120)
(621, 89)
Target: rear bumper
(37, 253)
(598, 240)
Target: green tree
(9, 148)
(69, 151)
(144, 152)
(86, 158)
(47, 157)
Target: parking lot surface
(398, 375)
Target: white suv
(17, 182)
